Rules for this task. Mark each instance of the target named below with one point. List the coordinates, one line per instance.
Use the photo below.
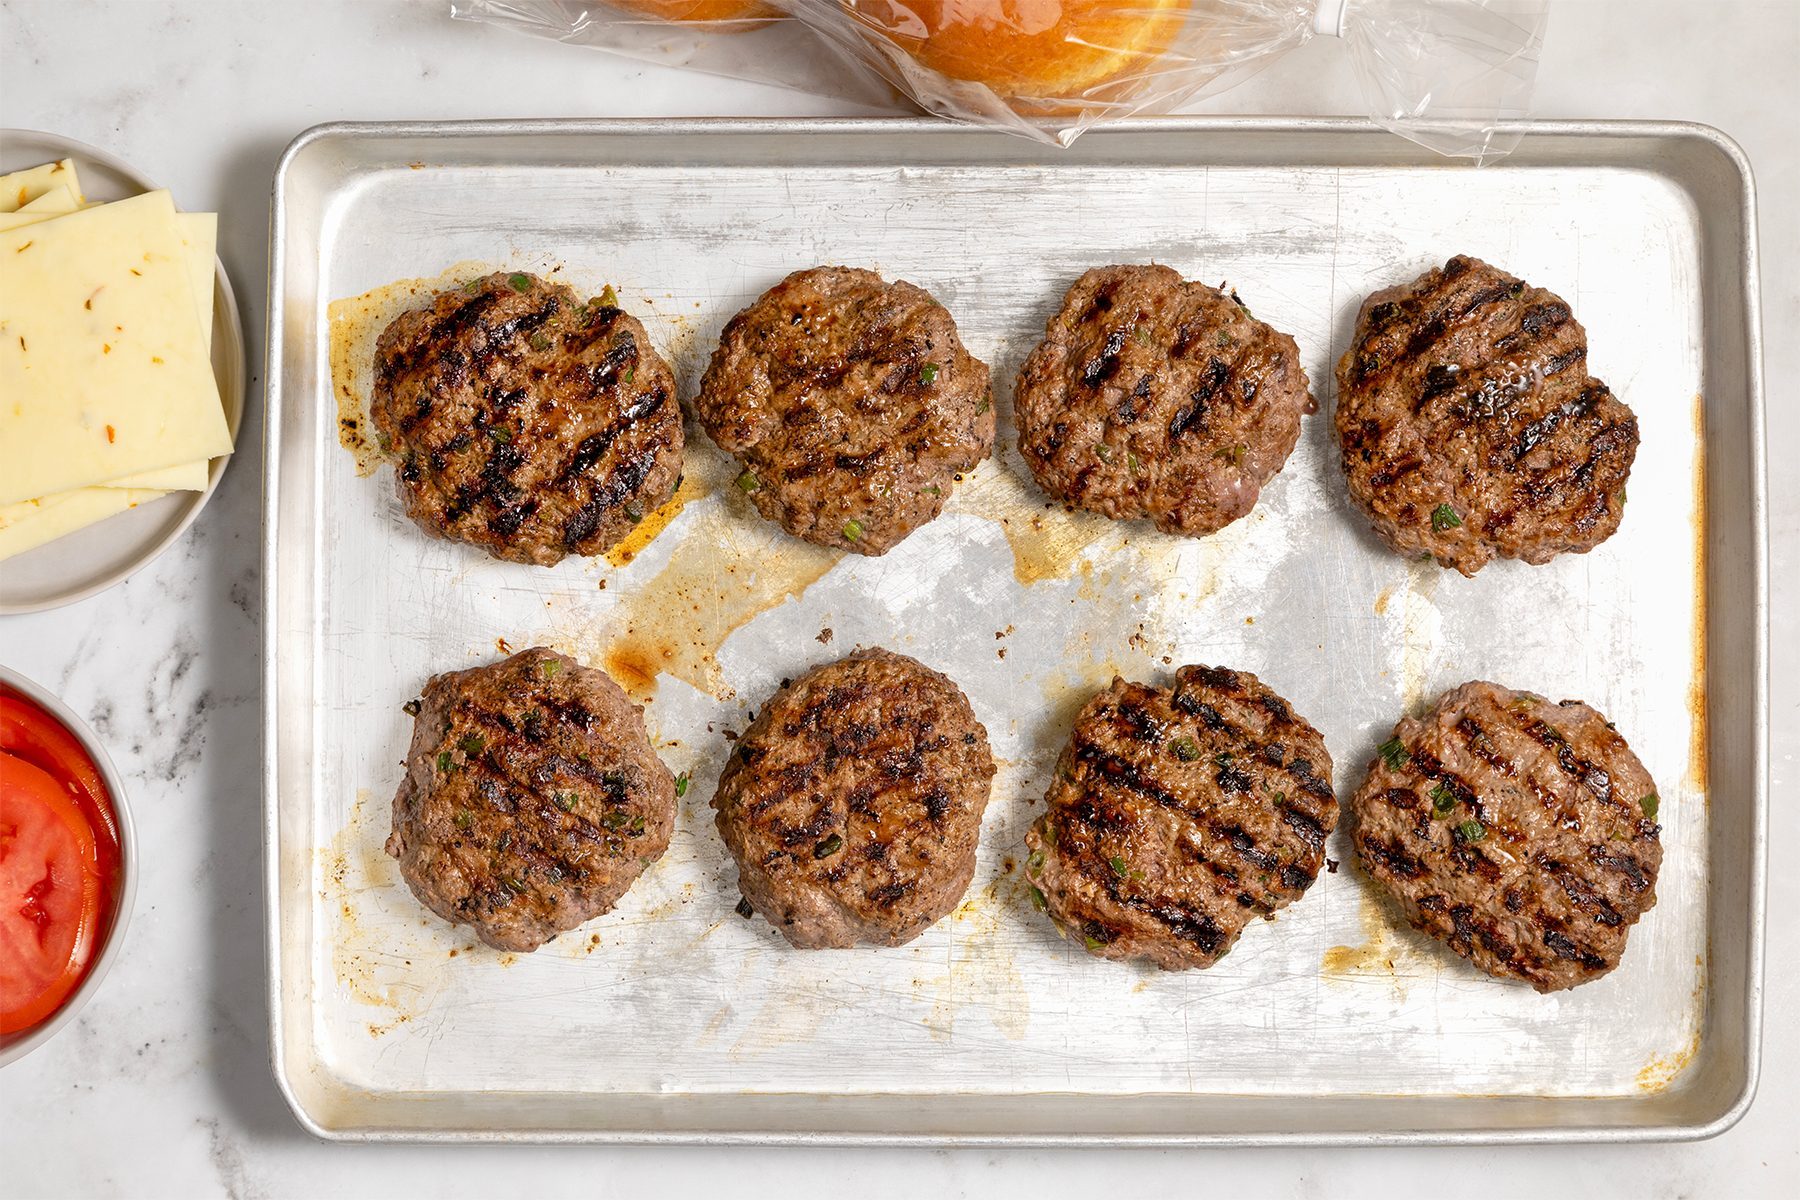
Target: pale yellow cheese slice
(53, 203)
(199, 235)
(59, 199)
(20, 188)
(104, 369)
(30, 523)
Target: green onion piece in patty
(1118, 865)
(828, 847)
(550, 666)
(1444, 517)
(445, 762)
(1393, 753)
(747, 482)
(1442, 799)
(608, 297)
(1186, 749)
(1650, 804)
(471, 743)
(853, 529)
(1471, 831)
(928, 374)
(520, 282)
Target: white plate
(93, 559)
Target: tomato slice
(50, 894)
(30, 733)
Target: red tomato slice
(50, 895)
(32, 734)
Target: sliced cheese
(20, 188)
(53, 203)
(182, 477)
(59, 199)
(104, 368)
(30, 523)
(199, 235)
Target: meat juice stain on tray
(1390, 951)
(354, 324)
(726, 566)
(978, 967)
(358, 883)
(692, 488)
(1047, 542)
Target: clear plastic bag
(1448, 74)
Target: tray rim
(889, 127)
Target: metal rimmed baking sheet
(671, 1019)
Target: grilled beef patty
(853, 803)
(1519, 832)
(851, 404)
(1177, 815)
(531, 801)
(1154, 397)
(1470, 426)
(524, 421)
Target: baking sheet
(674, 1018)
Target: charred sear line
(1305, 825)
(1104, 365)
(1391, 856)
(1624, 864)
(1114, 770)
(1563, 946)
(1189, 924)
(1589, 774)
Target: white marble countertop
(163, 1087)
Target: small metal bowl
(122, 897)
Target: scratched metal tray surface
(672, 1019)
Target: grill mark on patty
(1564, 946)
(1194, 412)
(464, 318)
(1589, 774)
(1392, 856)
(1104, 365)
(1189, 924)
(1116, 770)
(1581, 892)
(1448, 314)
(1624, 864)
(516, 797)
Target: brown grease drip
(1696, 780)
(354, 325)
(1047, 541)
(726, 567)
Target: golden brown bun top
(699, 10)
(1033, 49)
